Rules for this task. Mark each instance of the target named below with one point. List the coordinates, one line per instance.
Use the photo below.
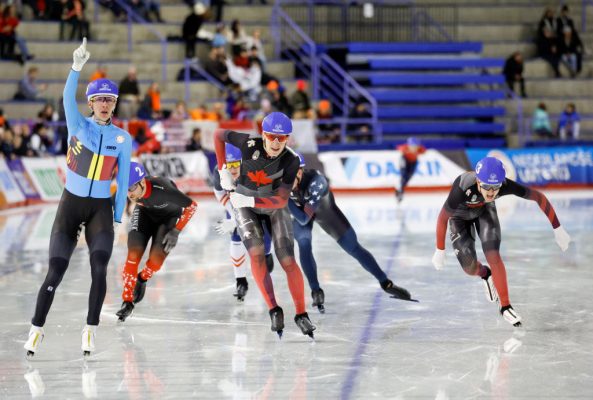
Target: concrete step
(506, 32)
(519, 13)
(505, 49)
(244, 13)
(107, 50)
(559, 87)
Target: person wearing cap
(261, 192)
(160, 214)
(228, 225)
(311, 200)
(96, 148)
(410, 152)
(469, 210)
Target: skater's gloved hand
(170, 240)
(438, 259)
(225, 226)
(80, 56)
(239, 200)
(562, 237)
(226, 180)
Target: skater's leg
(157, 254)
(350, 244)
(99, 237)
(238, 256)
(302, 235)
(490, 234)
(462, 234)
(137, 242)
(283, 238)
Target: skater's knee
(56, 271)
(471, 267)
(99, 259)
(304, 244)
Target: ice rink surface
(189, 338)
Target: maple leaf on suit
(259, 177)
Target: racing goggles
(133, 187)
(271, 137)
(104, 99)
(233, 164)
(488, 187)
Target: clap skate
(127, 307)
(277, 317)
(489, 288)
(395, 291)
(305, 325)
(36, 336)
(511, 316)
(242, 287)
(88, 340)
(318, 299)
(139, 289)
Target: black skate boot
(270, 262)
(126, 310)
(395, 291)
(304, 323)
(241, 289)
(318, 300)
(139, 290)
(277, 317)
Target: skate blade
(280, 332)
(405, 299)
(29, 355)
(518, 324)
(240, 299)
(86, 354)
(321, 309)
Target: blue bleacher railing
(189, 64)
(328, 79)
(585, 5)
(134, 17)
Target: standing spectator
(150, 108)
(254, 41)
(236, 37)
(189, 31)
(301, 105)
(74, 15)
(100, 72)
(540, 122)
(28, 87)
(129, 95)
(513, 72)
(570, 50)
(547, 40)
(9, 21)
(195, 143)
(569, 124)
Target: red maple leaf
(259, 177)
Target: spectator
(195, 143)
(547, 40)
(48, 114)
(180, 112)
(219, 39)
(9, 22)
(240, 109)
(362, 130)
(279, 100)
(129, 95)
(150, 108)
(217, 5)
(4, 124)
(513, 72)
(100, 72)
(265, 107)
(73, 14)
(565, 21)
(7, 144)
(329, 132)
(154, 7)
(570, 50)
(256, 46)
(28, 87)
(236, 37)
(300, 103)
(189, 31)
(540, 122)
(40, 141)
(216, 65)
(569, 123)
(146, 142)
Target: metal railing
(585, 5)
(187, 66)
(328, 79)
(132, 17)
(340, 21)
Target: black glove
(170, 240)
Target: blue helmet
(412, 141)
(232, 153)
(277, 123)
(490, 170)
(301, 160)
(101, 87)
(137, 173)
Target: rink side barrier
(28, 181)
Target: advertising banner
(23, 179)
(543, 166)
(10, 193)
(381, 169)
(46, 177)
(189, 171)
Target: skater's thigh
(462, 235)
(157, 251)
(282, 233)
(250, 229)
(488, 228)
(99, 228)
(66, 227)
(302, 233)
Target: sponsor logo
(120, 139)
(111, 147)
